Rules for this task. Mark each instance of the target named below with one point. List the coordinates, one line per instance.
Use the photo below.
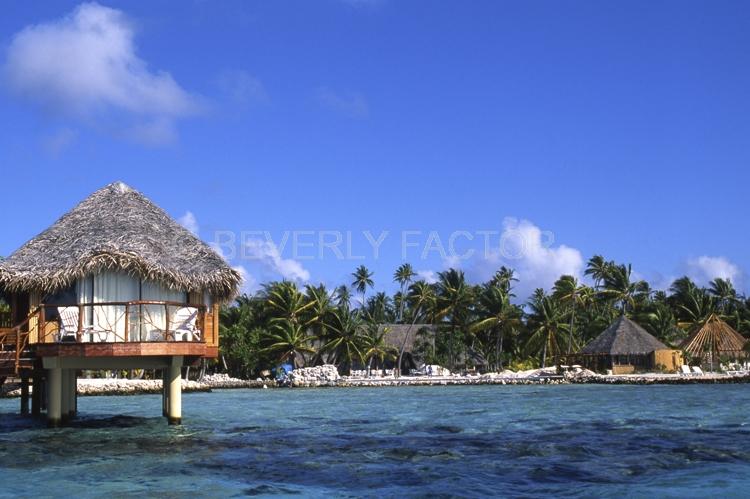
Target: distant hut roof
(623, 337)
(715, 335)
(117, 228)
(397, 334)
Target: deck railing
(114, 322)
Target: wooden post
(165, 392)
(41, 323)
(24, 395)
(166, 323)
(72, 393)
(65, 395)
(36, 396)
(81, 318)
(127, 321)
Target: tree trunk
(570, 333)
(544, 355)
(450, 347)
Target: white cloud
(352, 104)
(249, 283)
(428, 276)
(531, 252)
(85, 66)
(707, 268)
(268, 255)
(189, 221)
(242, 87)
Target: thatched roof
(117, 228)
(716, 336)
(397, 334)
(623, 337)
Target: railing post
(41, 323)
(81, 318)
(166, 323)
(18, 349)
(127, 321)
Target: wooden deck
(131, 349)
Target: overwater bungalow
(625, 347)
(113, 284)
(714, 342)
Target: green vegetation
(313, 325)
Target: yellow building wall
(671, 360)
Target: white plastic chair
(183, 325)
(685, 370)
(69, 317)
(697, 371)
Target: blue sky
(557, 129)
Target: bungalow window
(116, 289)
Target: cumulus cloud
(189, 221)
(532, 253)
(85, 66)
(269, 256)
(249, 283)
(352, 104)
(707, 268)
(428, 276)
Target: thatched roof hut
(623, 337)
(624, 347)
(715, 338)
(118, 229)
(397, 335)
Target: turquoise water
(517, 441)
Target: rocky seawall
(328, 376)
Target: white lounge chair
(183, 325)
(69, 324)
(685, 370)
(697, 371)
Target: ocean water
(508, 441)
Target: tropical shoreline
(115, 387)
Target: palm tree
(343, 296)
(572, 295)
(345, 341)
(504, 279)
(661, 323)
(547, 326)
(421, 299)
(374, 346)
(288, 341)
(619, 287)
(454, 297)
(317, 314)
(362, 281)
(283, 300)
(403, 276)
(379, 308)
(598, 268)
(696, 308)
(497, 315)
(724, 292)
